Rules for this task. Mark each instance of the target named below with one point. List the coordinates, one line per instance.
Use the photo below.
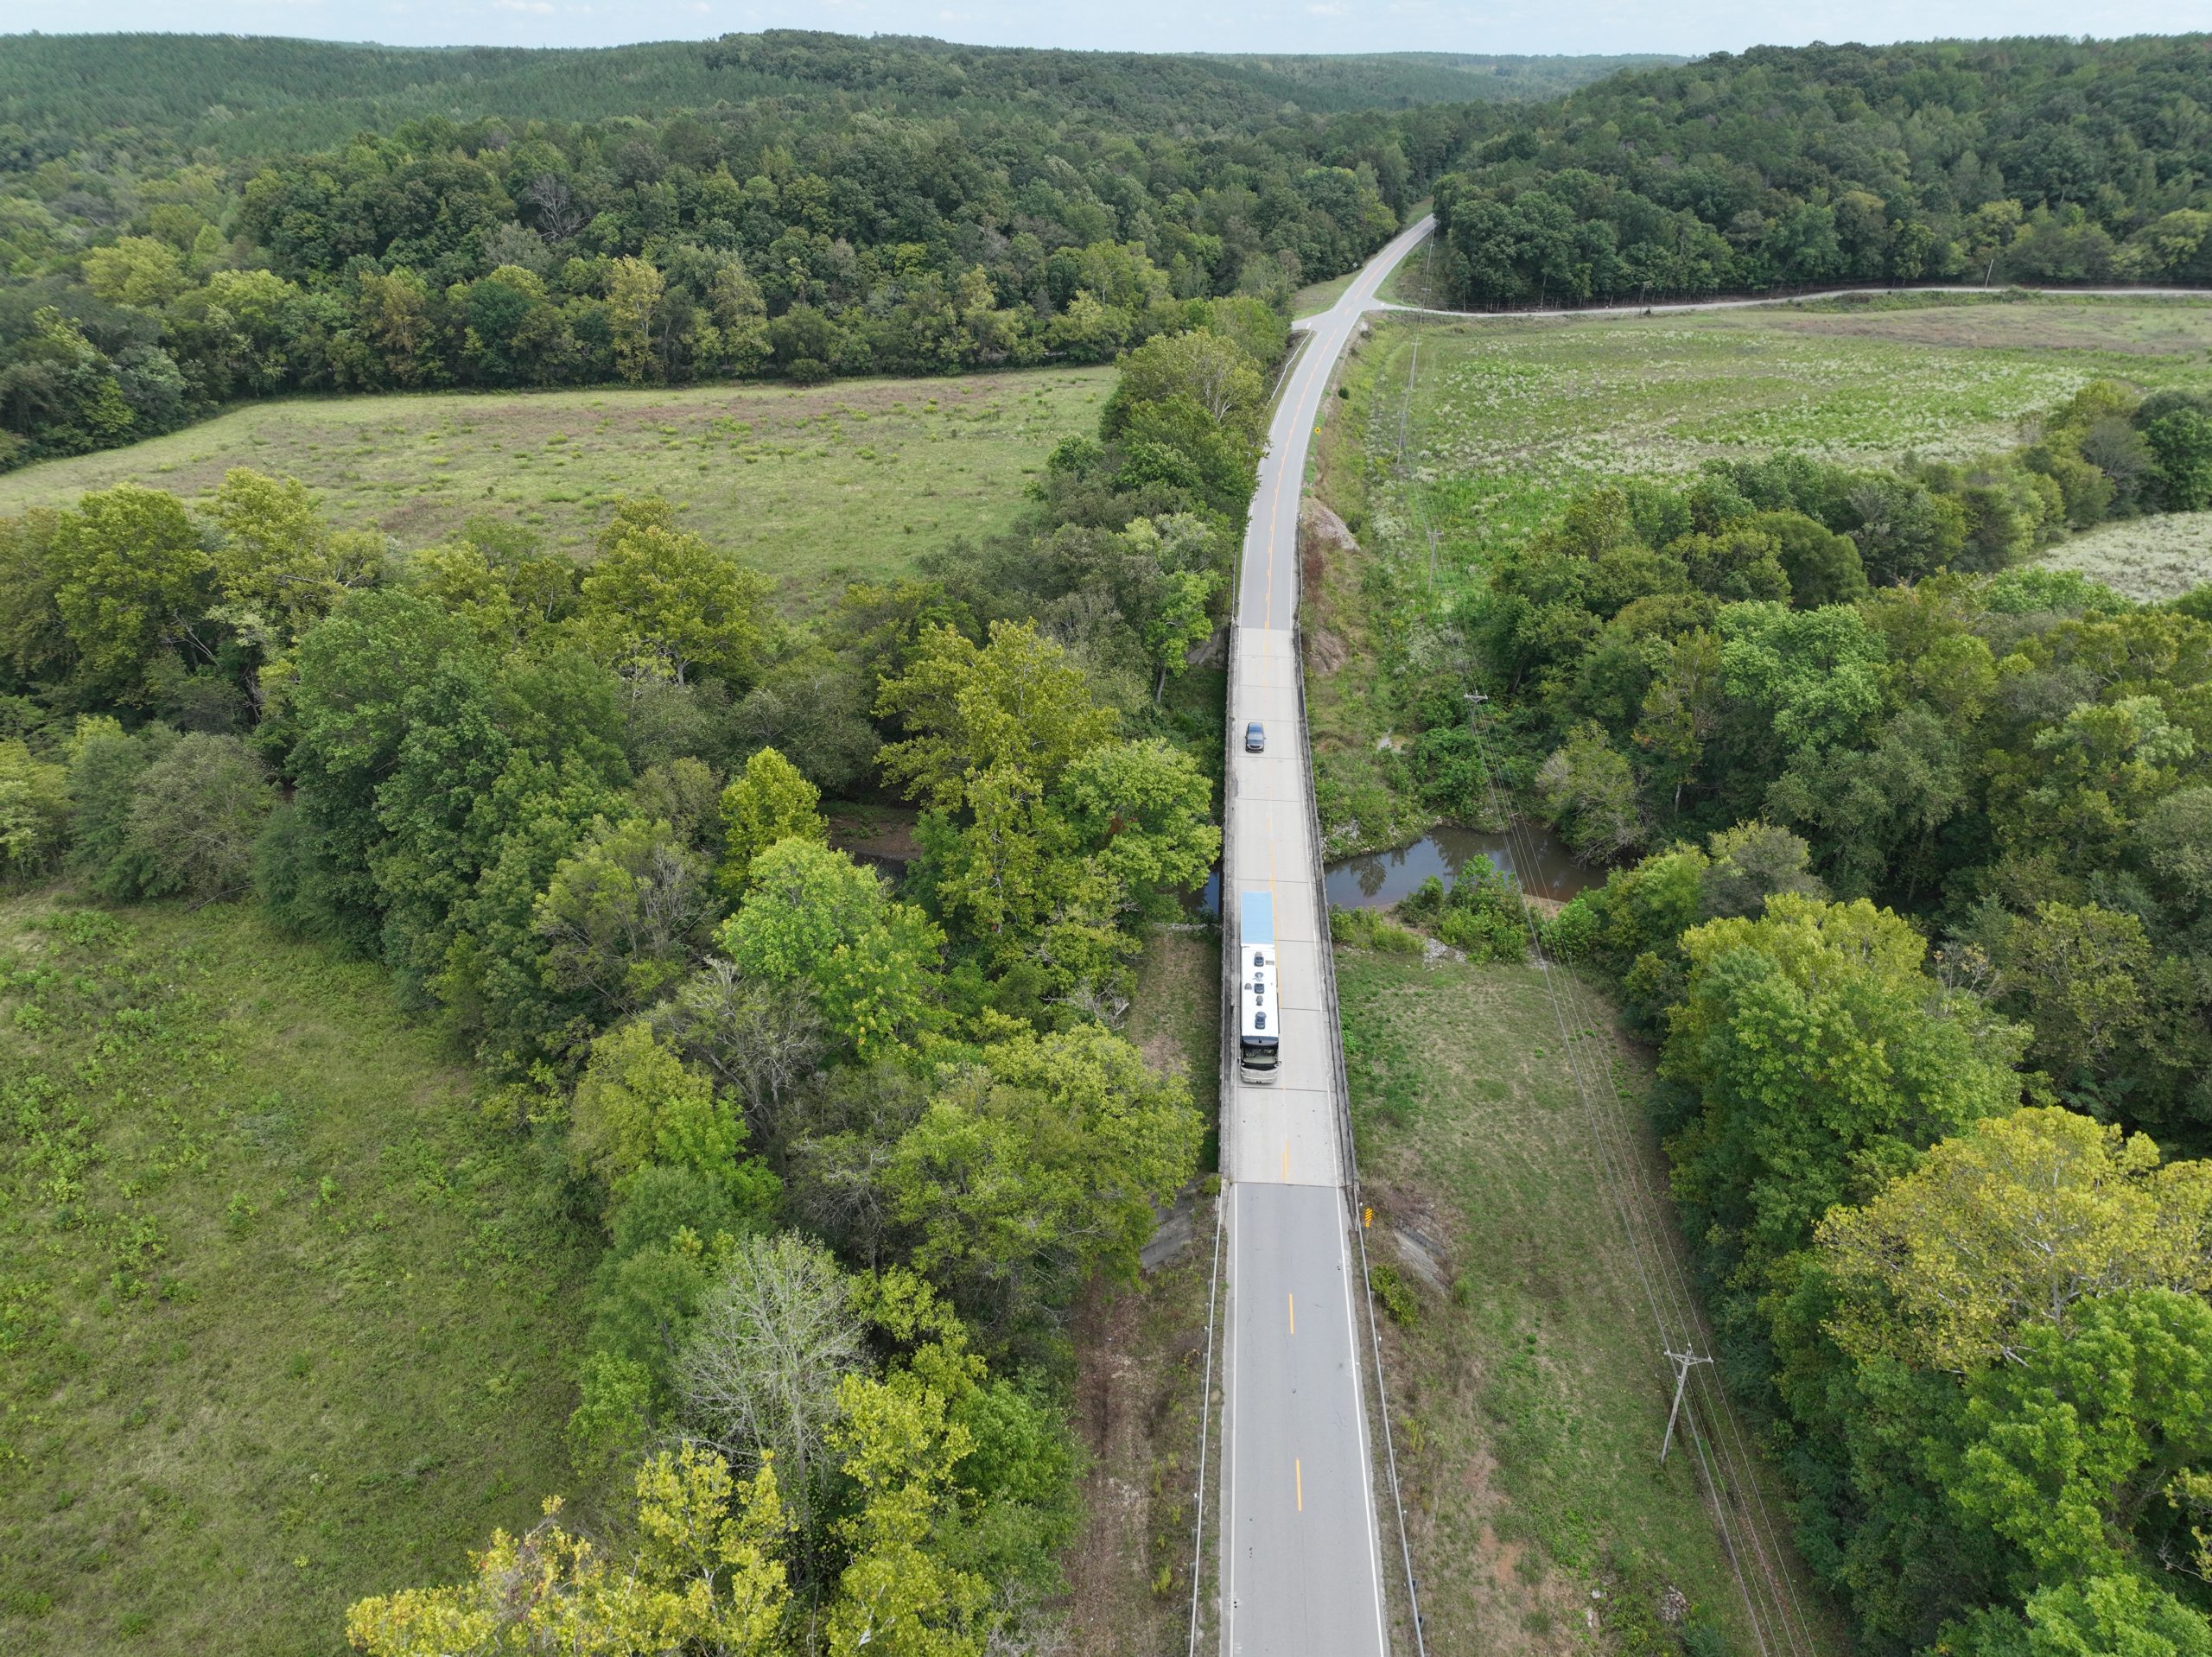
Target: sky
(1690, 27)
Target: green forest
(810, 205)
(2029, 161)
(1903, 835)
(850, 1151)
(825, 207)
(247, 95)
(1909, 843)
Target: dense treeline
(2029, 160)
(1402, 80)
(1803, 641)
(804, 238)
(854, 1146)
(810, 204)
(1606, 629)
(1924, 934)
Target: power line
(1618, 1183)
(1682, 1319)
(1724, 1460)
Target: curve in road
(1301, 1563)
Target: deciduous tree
(2011, 1226)
(761, 1376)
(816, 917)
(660, 600)
(129, 578)
(768, 802)
(1015, 701)
(706, 1576)
(626, 915)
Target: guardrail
(1231, 1001)
(1356, 1215)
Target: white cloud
(540, 7)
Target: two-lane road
(1301, 1569)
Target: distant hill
(243, 95)
(2036, 160)
(1402, 80)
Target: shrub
(34, 812)
(2181, 444)
(1390, 1287)
(1364, 928)
(196, 815)
(1484, 916)
(105, 765)
(296, 880)
(1447, 767)
(1427, 902)
(1484, 937)
(1572, 932)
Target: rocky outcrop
(1321, 530)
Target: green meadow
(817, 486)
(1509, 417)
(284, 1321)
(1528, 1393)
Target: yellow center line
(1286, 1162)
(1298, 1468)
(1275, 515)
(1293, 1312)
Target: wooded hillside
(832, 207)
(2023, 160)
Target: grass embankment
(1141, 1354)
(1413, 283)
(1344, 626)
(282, 1322)
(1316, 297)
(1527, 1388)
(815, 486)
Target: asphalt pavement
(1301, 1569)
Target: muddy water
(1381, 878)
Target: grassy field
(282, 1322)
(1529, 1391)
(2160, 556)
(1411, 282)
(817, 486)
(1141, 1354)
(1346, 613)
(1318, 296)
(1509, 417)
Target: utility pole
(1684, 1362)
